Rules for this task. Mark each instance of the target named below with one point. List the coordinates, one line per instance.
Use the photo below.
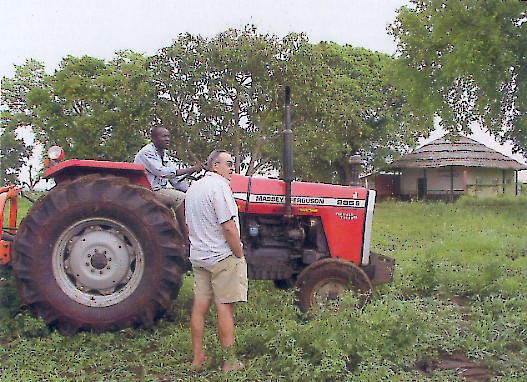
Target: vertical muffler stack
(287, 154)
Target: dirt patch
(461, 365)
(460, 300)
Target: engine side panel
(341, 208)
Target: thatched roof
(463, 152)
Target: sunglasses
(229, 163)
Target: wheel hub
(329, 291)
(98, 262)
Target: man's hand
(230, 231)
(189, 170)
(197, 167)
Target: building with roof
(445, 169)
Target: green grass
(460, 288)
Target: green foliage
(12, 156)
(345, 106)
(17, 113)
(228, 92)
(13, 115)
(92, 108)
(460, 288)
(464, 61)
(223, 92)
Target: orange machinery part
(8, 193)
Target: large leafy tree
(12, 156)
(228, 92)
(348, 107)
(465, 61)
(92, 108)
(178, 76)
(225, 92)
(247, 91)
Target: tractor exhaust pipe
(287, 154)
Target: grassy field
(459, 295)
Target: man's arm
(230, 231)
(189, 170)
(153, 166)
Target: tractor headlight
(55, 153)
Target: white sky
(50, 30)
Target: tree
(228, 92)
(465, 61)
(16, 113)
(225, 92)
(349, 108)
(11, 157)
(92, 108)
(178, 78)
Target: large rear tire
(324, 282)
(98, 253)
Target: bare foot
(232, 366)
(197, 362)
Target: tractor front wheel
(324, 282)
(98, 253)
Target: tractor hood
(259, 191)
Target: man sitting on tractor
(161, 171)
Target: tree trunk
(237, 140)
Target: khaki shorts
(225, 281)
(170, 197)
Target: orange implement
(7, 233)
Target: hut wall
(490, 181)
(477, 181)
(409, 179)
(442, 179)
(438, 182)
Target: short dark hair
(212, 158)
(155, 130)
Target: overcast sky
(48, 30)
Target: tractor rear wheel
(323, 283)
(98, 253)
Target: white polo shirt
(209, 203)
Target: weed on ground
(457, 310)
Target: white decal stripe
(367, 228)
(240, 196)
(302, 200)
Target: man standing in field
(161, 170)
(220, 270)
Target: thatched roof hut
(464, 152)
(445, 169)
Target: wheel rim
(328, 292)
(98, 262)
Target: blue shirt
(160, 169)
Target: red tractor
(99, 252)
